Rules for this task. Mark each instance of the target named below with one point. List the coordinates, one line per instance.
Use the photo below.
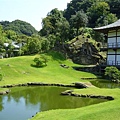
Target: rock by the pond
(64, 66)
(70, 93)
(4, 92)
(80, 85)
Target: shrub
(40, 61)
(112, 73)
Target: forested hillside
(20, 27)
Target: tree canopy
(78, 20)
(99, 12)
(20, 27)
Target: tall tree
(56, 25)
(49, 24)
(79, 20)
(114, 7)
(32, 46)
(63, 30)
(75, 6)
(99, 14)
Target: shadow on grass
(105, 84)
(89, 69)
(32, 65)
(56, 56)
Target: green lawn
(19, 70)
(3, 89)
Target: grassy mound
(20, 70)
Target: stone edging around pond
(69, 92)
(4, 92)
(77, 85)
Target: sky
(31, 11)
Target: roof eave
(106, 30)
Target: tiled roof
(108, 27)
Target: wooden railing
(113, 63)
(110, 45)
(113, 45)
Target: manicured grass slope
(19, 70)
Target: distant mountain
(20, 27)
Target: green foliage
(79, 20)
(55, 25)
(105, 20)
(63, 30)
(45, 44)
(52, 39)
(99, 37)
(20, 27)
(3, 39)
(33, 45)
(49, 24)
(99, 12)
(40, 61)
(75, 6)
(10, 34)
(114, 6)
(112, 73)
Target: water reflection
(23, 102)
(1, 104)
(105, 84)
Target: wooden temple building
(112, 33)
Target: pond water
(104, 84)
(23, 102)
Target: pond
(23, 102)
(104, 84)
